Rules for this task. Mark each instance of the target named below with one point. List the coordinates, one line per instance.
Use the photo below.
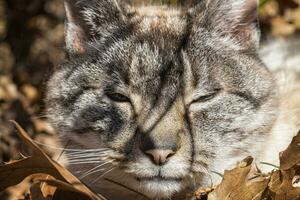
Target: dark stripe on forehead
(166, 98)
(120, 34)
(186, 36)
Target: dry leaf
(18, 191)
(64, 191)
(30, 92)
(281, 186)
(37, 194)
(40, 190)
(280, 27)
(239, 184)
(202, 193)
(291, 156)
(16, 171)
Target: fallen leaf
(30, 92)
(64, 190)
(291, 156)
(282, 181)
(281, 27)
(241, 183)
(40, 188)
(16, 171)
(281, 186)
(37, 194)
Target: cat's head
(163, 94)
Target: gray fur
(163, 62)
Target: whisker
(92, 171)
(97, 179)
(87, 156)
(87, 153)
(78, 151)
(92, 156)
(75, 150)
(83, 162)
(87, 159)
(98, 170)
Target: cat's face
(163, 98)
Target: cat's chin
(157, 188)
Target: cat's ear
(237, 19)
(90, 19)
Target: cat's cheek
(198, 107)
(127, 128)
(195, 116)
(126, 112)
(125, 108)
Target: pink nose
(160, 156)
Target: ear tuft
(90, 19)
(76, 33)
(235, 18)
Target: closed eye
(117, 97)
(206, 97)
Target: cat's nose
(160, 156)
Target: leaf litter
(66, 184)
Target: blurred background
(32, 45)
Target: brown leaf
(16, 171)
(202, 193)
(30, 92)
(291, 156)
(18, 191)
(281, 185)
(46, 190)
(241, 183)
(37, 194)
(59, 184)
(281, 27)
(63, 195)
(64, 191)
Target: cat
(158, 98)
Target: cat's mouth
(158, 187)
(158, 179)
